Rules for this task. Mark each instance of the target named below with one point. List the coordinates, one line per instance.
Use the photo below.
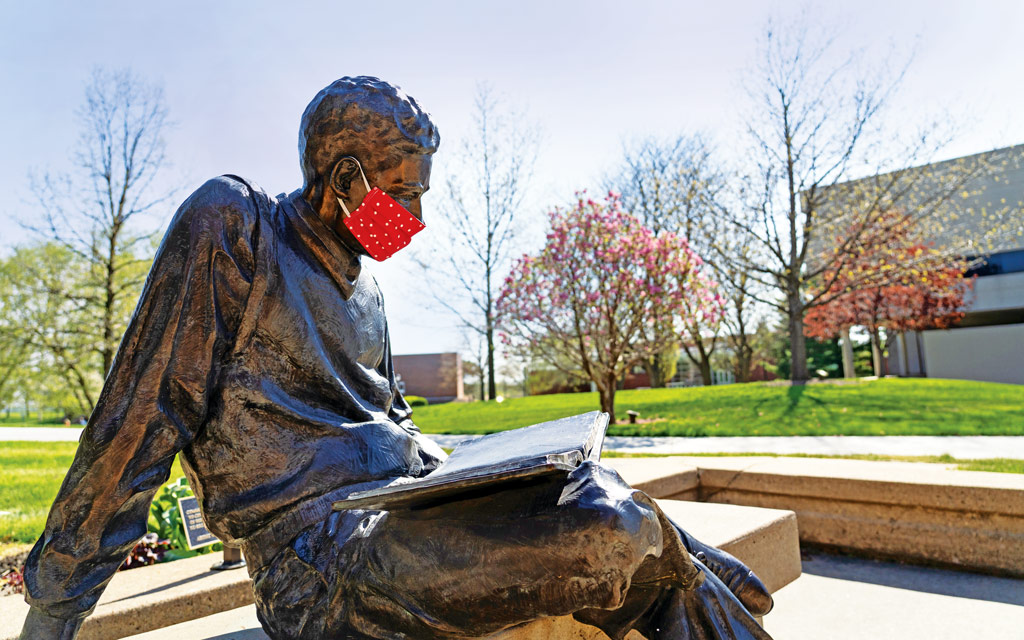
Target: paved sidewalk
(851, 598)
(40, 434)
(965, 447)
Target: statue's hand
(431, 454)
(39, 626)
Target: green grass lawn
(30, 475)
(877, 407)
(31, 472)
(33, 420)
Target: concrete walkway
(851, 598)
(964, 447)
(40, 434)
(836, 598)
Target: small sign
(192, 520)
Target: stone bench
(150, 598)
(928, 513)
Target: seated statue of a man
(259, 352)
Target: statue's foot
(744, 584)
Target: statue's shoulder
(229, 192)
(226, 203)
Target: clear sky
(592, 74)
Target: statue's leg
(708, 612)
(659, 606)
(472, 567)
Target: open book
(555, 447)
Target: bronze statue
(259, 351)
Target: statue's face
(406, 182)
(405, 176)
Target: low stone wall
(926, 513)
(149, 598)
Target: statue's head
(374, 123)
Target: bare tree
(479, 216)
(94, 210)
(674, 185)
(816, 123)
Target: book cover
(555, 447)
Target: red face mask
(379, 223)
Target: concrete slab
(766, 540)
(149, 598)
(851, 599)
(669, 478)
(911, 511)
(236, 624)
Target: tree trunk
(906, 354)
(848, 370)
(607, 394)
(742, 368)
(107, 350)
(797, 341)
(492, 392)
(653, 367)
(876, 353)
(744, 359)
(705, 372)
(661, 367)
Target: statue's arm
(153, 401)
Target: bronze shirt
(259, 350)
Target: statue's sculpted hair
(352, 116)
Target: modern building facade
(988, 344)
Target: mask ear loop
(365, 183)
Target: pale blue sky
(237, 76)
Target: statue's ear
(345, 170)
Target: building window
(997, 263)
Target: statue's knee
(629, 528)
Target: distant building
(434, 376)
(988, 344)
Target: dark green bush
(416, 401)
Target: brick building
(434, 376)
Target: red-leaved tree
(588, 302)
(896, 282)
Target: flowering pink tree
(587, 302)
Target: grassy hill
(911, 406)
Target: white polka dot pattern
(382, 225)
